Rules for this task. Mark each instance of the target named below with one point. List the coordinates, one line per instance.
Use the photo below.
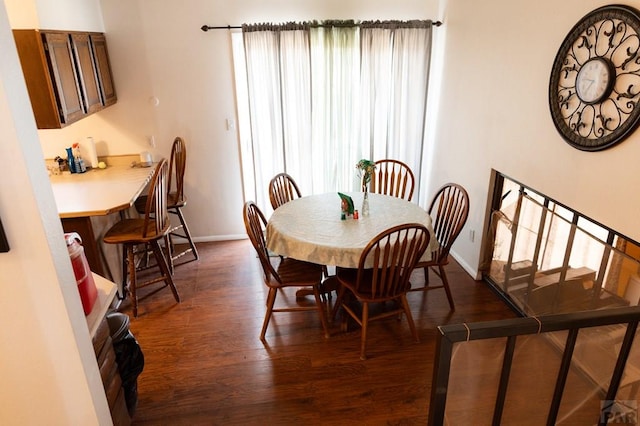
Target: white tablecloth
(310, 228)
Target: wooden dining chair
(176, 200)
(282, 189)
(449, 210)
(147, 230)
(382, 275)
(393, 177)
(287, 272)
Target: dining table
(89, 203)
(311, 228)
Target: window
(313, 99)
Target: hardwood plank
(205, 364)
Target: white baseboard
(473, 271)
(212, 238)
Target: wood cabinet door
(65, 77)
(108, 91)
(87, 71)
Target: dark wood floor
(205, 364)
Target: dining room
(488, 110)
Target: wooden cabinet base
(111, 380)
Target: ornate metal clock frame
(594, 87)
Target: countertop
(106, 293)
(99, 192)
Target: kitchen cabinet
(108, 91)
(87, 72)
(67, 73)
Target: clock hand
(589, 85)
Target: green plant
(366, 168)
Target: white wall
(47, 364)
(495, 114)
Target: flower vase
(365, 202)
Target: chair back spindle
(393, 177)
(449, 210)
(388, 260)
(177, 167)
(156, 217)
(255, 224)
(282, 189)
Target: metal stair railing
(511, 329)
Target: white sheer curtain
(321, 97)
(395, 73)
(335, 59)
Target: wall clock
(594, 87)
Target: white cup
(145, 159)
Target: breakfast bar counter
(99, 192)
(87, 203)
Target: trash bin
(129, 357)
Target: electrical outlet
(152, 141)
(472, 235)
(231, 124)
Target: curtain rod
(234, 27)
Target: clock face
(593, 80)
(594, 88)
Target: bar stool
(147, 230)
(176, 200)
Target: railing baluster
(565, 365)
(621, 362)
(507, 361)
(440, 382)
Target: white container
(90, 154)
(145, 159)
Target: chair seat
(131, 231)
(299, 273)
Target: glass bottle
(70, 160)
(365, 202)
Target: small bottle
(80, 166)
(78, 161)
(355, 215)
(70, 160)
